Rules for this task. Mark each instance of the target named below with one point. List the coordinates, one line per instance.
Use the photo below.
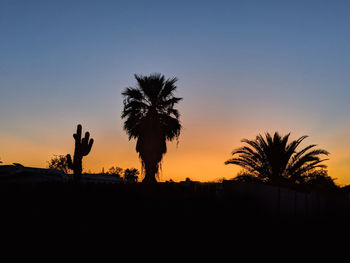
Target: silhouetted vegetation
(272, 159)
(82, 148)
(131, 175)
(320, 180)
(151, 119)
(60, 163)
(115, 171)
(246, 177)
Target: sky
(244, 68)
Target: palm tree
(273, 159)
(151, 119)
(131, 175)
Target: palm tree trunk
(151, 169)
(149, 179)
(150, 176)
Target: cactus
(82, 148)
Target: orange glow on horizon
(199, 155)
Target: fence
(286, 202)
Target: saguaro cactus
(82, 148)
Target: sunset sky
(244, 68)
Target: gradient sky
(244, 67)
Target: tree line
(61, 163)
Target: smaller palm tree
(273, 159)
(131, 175)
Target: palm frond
(274, 158)
(168, 88)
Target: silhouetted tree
(151, 119)
(115, 171)
(320, 180)
(273, 159)
(246, 177)
(131, 175)
(60, 163)
(82, 148)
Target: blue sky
(244, 67)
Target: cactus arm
(91, 142)
(86, 144)
(77, 136)
(69, 162)
(86, 138)
(87, 147)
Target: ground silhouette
(183, 212)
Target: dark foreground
(132, 214)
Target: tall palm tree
(273, 159)
(151, 119)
